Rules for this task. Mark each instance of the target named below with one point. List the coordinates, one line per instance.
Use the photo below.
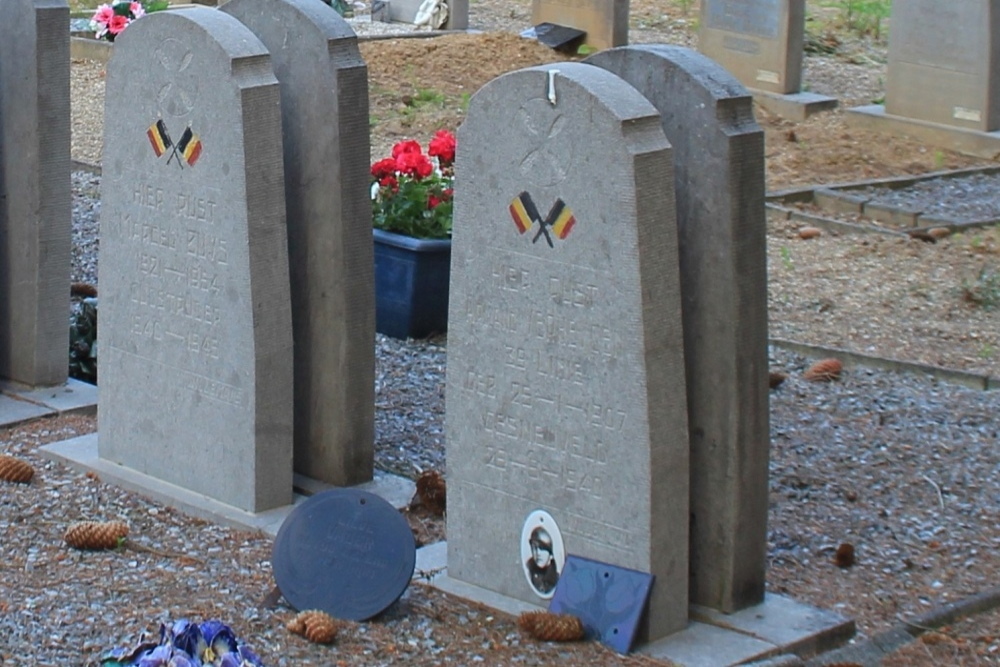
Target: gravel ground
(966, 199)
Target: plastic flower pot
(411, 285)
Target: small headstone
(324, 106)
(944, 65)
(346, 552)
(195, 335)
(719, 179)
(35, 204)
(609, 600)
(605, 22)
(565, 390)
(759, 41)
(380, 11)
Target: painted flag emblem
(560, 219)
(189, 146)
(159, 138)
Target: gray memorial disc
(346, 552)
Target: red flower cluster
(409, 195)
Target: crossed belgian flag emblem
(525, 214)
(187, 149)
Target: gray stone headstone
(944, 63)
(565, 392)
(196, 335)
(324, 107)
(759, 41)
(35, 213)
(604, 21)
(719, 179)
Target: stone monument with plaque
(760, 42)
(196, 335)
(943, 83)
(324, 106)
(35, 211)
(566, 407)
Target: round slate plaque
(346, 552)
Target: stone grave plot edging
(964, 378)
(841, 199)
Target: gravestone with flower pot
(412, 200)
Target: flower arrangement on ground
(412, 192)
(185, 644)
(110, 20)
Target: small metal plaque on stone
(610, 600)
(346, 552)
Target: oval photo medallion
(542, 553)
(346, 552)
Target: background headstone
(759, 41)
(604, 21)
(35, 209)
(565, 391)
(195, 335)
(324, 107)
(944, 63)
(719, 179)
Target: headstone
(346, 552)
(719, 180)
(759, 41)
(944, 63)
(196, 335)
(604, 21)
(35, 208)
(324, 107)
(567, 417)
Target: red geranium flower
(408, 146)
(442, 146)
(414, 164)
(384, 167)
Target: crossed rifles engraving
(560, 219)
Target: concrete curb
(964, 378)
(871, 653)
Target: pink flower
(117, 24)
(103, 14)
(137, 10)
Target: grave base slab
(19, 403)
(794, 106)
(778, 626)
(81, 454)
(873, 117)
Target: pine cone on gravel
(431, 491)
(95, 535)
(15, 470)
(775, 378)
(549, 627)
(825, 370)
(316, 626)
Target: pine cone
(775, 378)
(95, 535)
(316, 626)
(15, 470)
(549, 627)
(431, 491)
(82, 289)
(825, 370)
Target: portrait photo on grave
(542, 553)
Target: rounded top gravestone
(346, 552)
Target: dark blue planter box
(411, 285)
